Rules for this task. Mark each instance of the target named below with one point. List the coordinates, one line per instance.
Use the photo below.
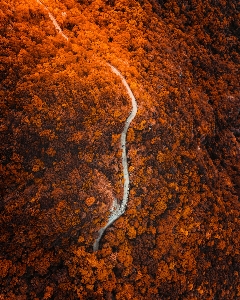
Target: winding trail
(117, 209)
(55, 23)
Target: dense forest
(62, 112)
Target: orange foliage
(63, 112)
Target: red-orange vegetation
(62, 114)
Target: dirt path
(117, 209)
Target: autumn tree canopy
(62, 115)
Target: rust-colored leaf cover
(63, 116)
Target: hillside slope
(62, 115)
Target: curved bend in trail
(55, 23)
(117, 209)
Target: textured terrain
(62, 115)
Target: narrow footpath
(117, 209)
